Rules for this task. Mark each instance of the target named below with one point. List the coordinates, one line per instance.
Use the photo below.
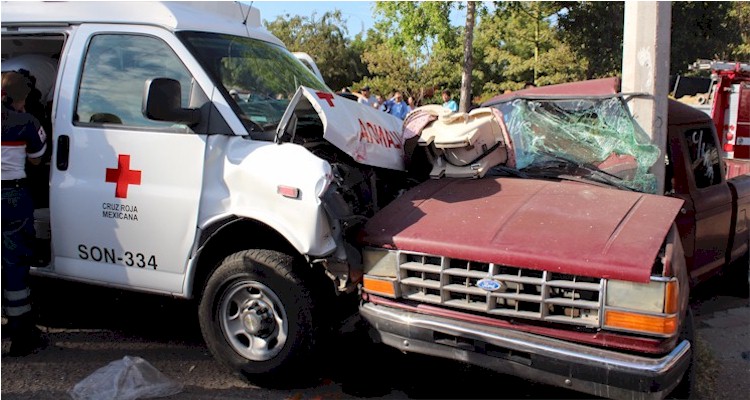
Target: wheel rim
(253, 320)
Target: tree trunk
(465, 102)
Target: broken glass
(597, 135)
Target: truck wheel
(686, 389)
(256, 315)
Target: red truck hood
(565, 227)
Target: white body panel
(143, 237)
(212, 16)
(242, 178)
(152, 228)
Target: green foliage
(519, 45)
(325, 39)
(704, 30)
(415, 27)
(713, 30)
(740, 13)
(593, 30)
(413, 47)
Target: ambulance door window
(115, 72)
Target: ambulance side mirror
(162, 102)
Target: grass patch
(706, 370)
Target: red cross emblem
(326, 96)
(123, 176)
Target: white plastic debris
(128, 379)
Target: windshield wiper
(503, 170)
(595, 173)
(254, 126)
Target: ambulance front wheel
(256, 315)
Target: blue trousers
(18, 241)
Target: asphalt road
(89, 327)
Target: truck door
(710, 200)
(124, 189)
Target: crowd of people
(396, 105)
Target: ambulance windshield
(258, 77)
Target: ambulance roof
(226, 17)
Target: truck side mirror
(162, 102)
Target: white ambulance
(194, 156)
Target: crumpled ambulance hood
(369, 136)
(565, 227)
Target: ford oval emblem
(489, 285)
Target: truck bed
(737, 167)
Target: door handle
(63, 152)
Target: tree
(703, 30)
(699, 30)
(519, 44)
(325, 39)
(741, 14)
(593, 30)
(468, 66)
(414, 48)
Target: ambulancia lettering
(373, 133)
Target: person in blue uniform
(23, 139)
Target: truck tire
(256, 315)
(686, 389)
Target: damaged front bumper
(551, 361)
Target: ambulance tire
(256, 316)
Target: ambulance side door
(125, 190)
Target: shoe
(24, 345)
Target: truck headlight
(649, 308)
(380, 268)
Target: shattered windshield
(258, 78)
(596, 139)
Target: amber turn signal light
(383, 287)
(661, 325)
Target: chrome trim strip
(530, 343)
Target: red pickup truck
(565, 268)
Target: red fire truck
(729, 99)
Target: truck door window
(704, 157)
(115, 71)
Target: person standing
(412, 103)
(380, 103)
(448, 102)
(397, 106)
(23, 138)
(367, 98)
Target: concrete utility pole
(645, 69)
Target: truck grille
(522, 293)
